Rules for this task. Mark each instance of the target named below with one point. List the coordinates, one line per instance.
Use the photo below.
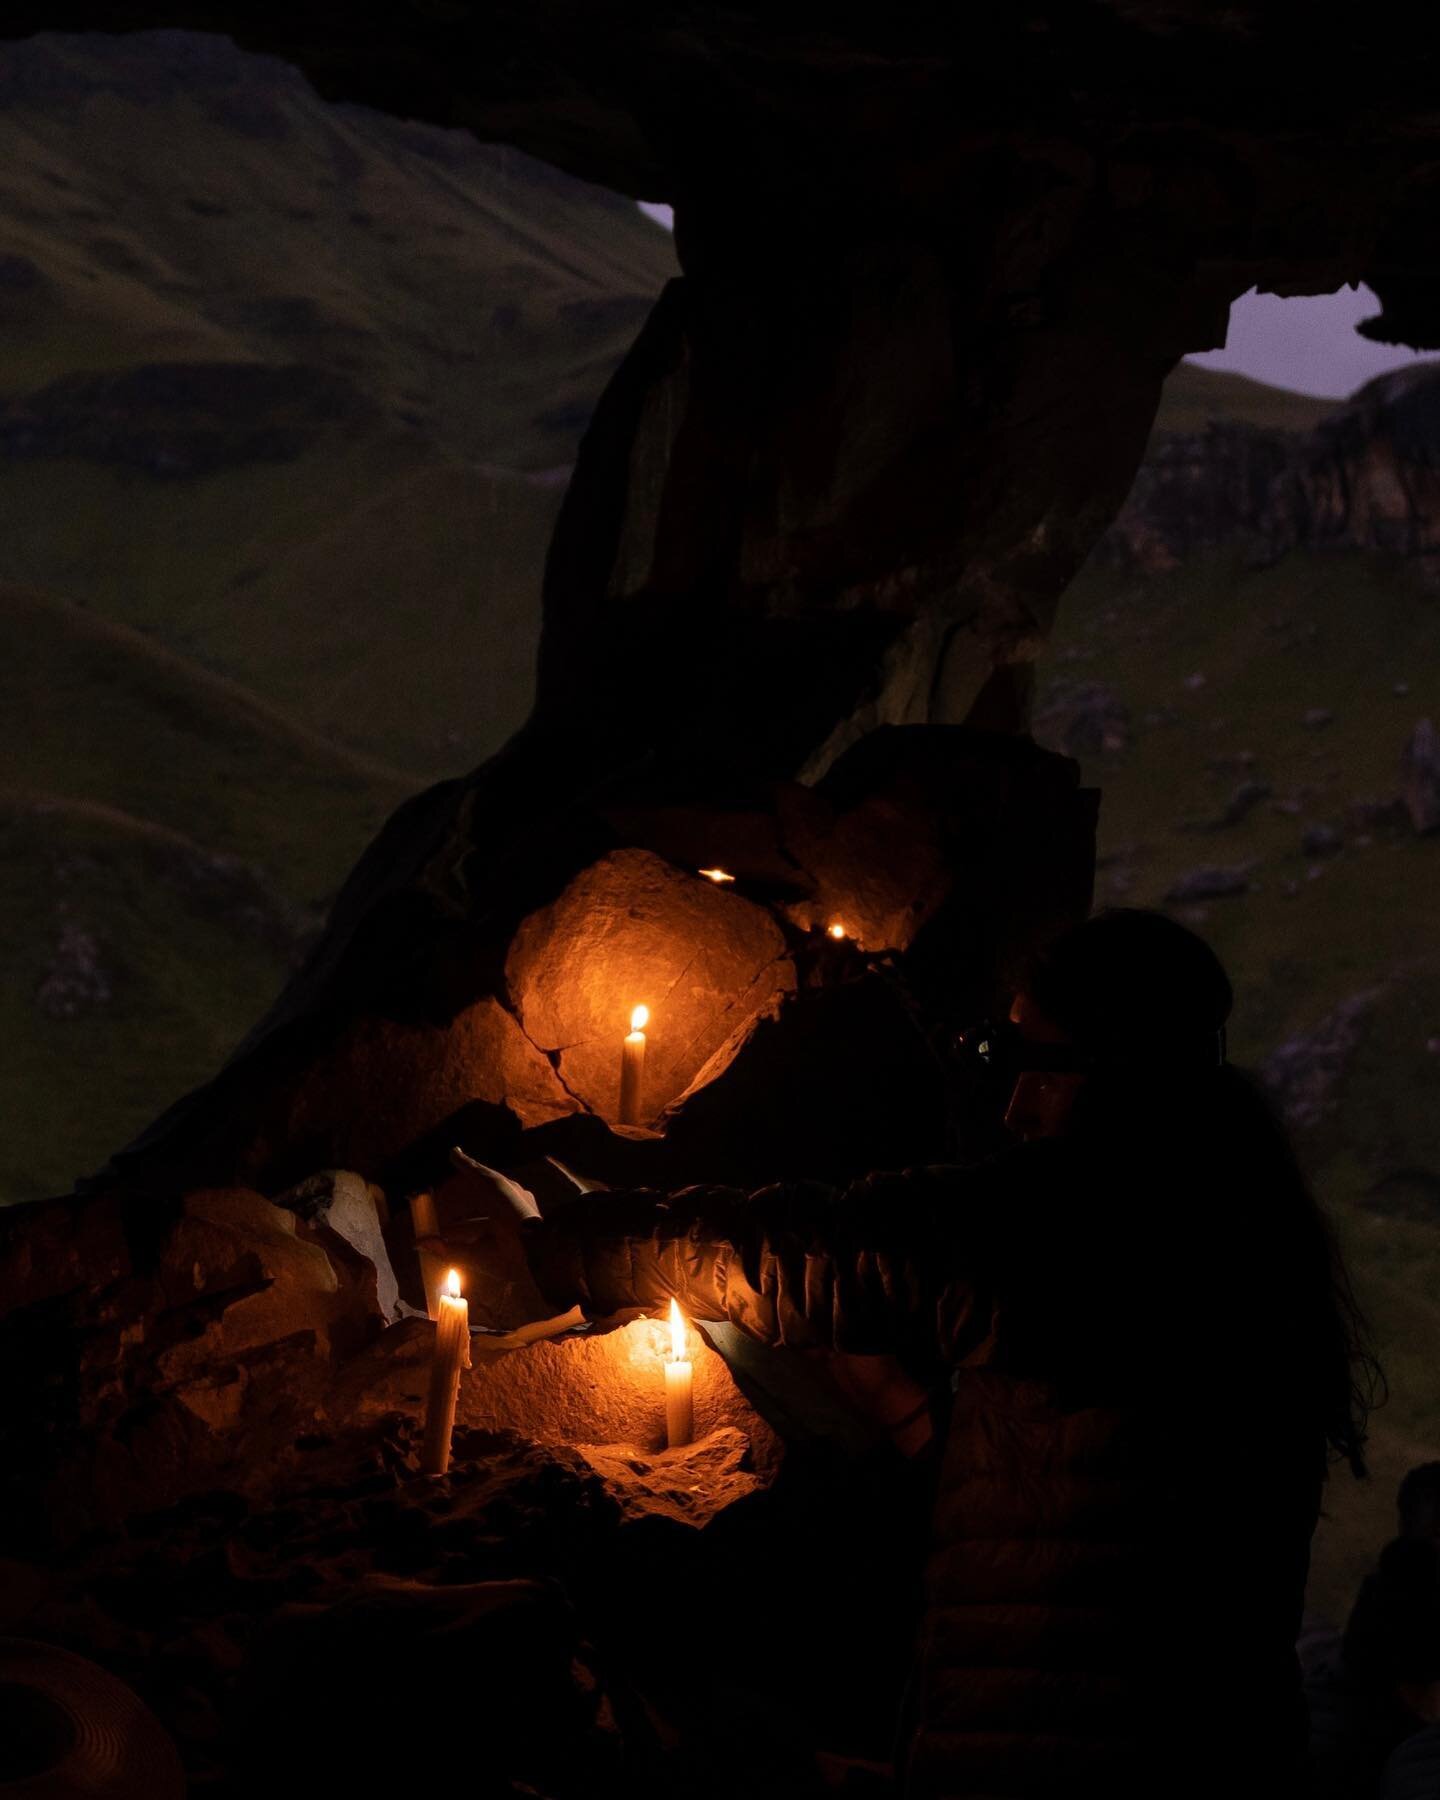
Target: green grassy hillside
(1194, 396)
(167, 841)
(1218, 666)
(386, 595)
(287, 396)
(450, 309)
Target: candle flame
(639, 1018)
(452, 1284)
(718, 876)
(837, 930)
(677, 1333)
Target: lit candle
(451, 1354)
(632, 1067)
(424, 1224)
(679, 1385)
(837, 930)
(718, 876)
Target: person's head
(1418, 1502)
(1123, 1027)
(1127, 998)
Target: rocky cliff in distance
(1364, 476)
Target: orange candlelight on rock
(451, 1354)
(679, 1385)
(632, 1067)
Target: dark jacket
(1121, 1533)
(1413, 1772)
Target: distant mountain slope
(1195, 397)
(167, 198)
(294, 386)
(287, 396)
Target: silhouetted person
(1387, 1687)
(1151, 1353)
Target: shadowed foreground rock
(235, 1523)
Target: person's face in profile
(1042, 1100)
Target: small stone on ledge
(690, 1484)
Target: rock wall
(1365, 478)
(486, 1000)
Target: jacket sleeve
(876, 1267)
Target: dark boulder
(1217, 882)
(1420, 777)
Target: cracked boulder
(414, 1076)
(633, 930)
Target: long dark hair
(1150, 1000)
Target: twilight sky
(1309, 345)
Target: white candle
(679, 1386)
(451, 1354)
(425, 1224)
(632, 1067)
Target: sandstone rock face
(248, 1256)
(414, 1076)
(1198, 490)
(633, 929)
(176, 1342)
(878, 868)
(1364, 478)
(605, 1388)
